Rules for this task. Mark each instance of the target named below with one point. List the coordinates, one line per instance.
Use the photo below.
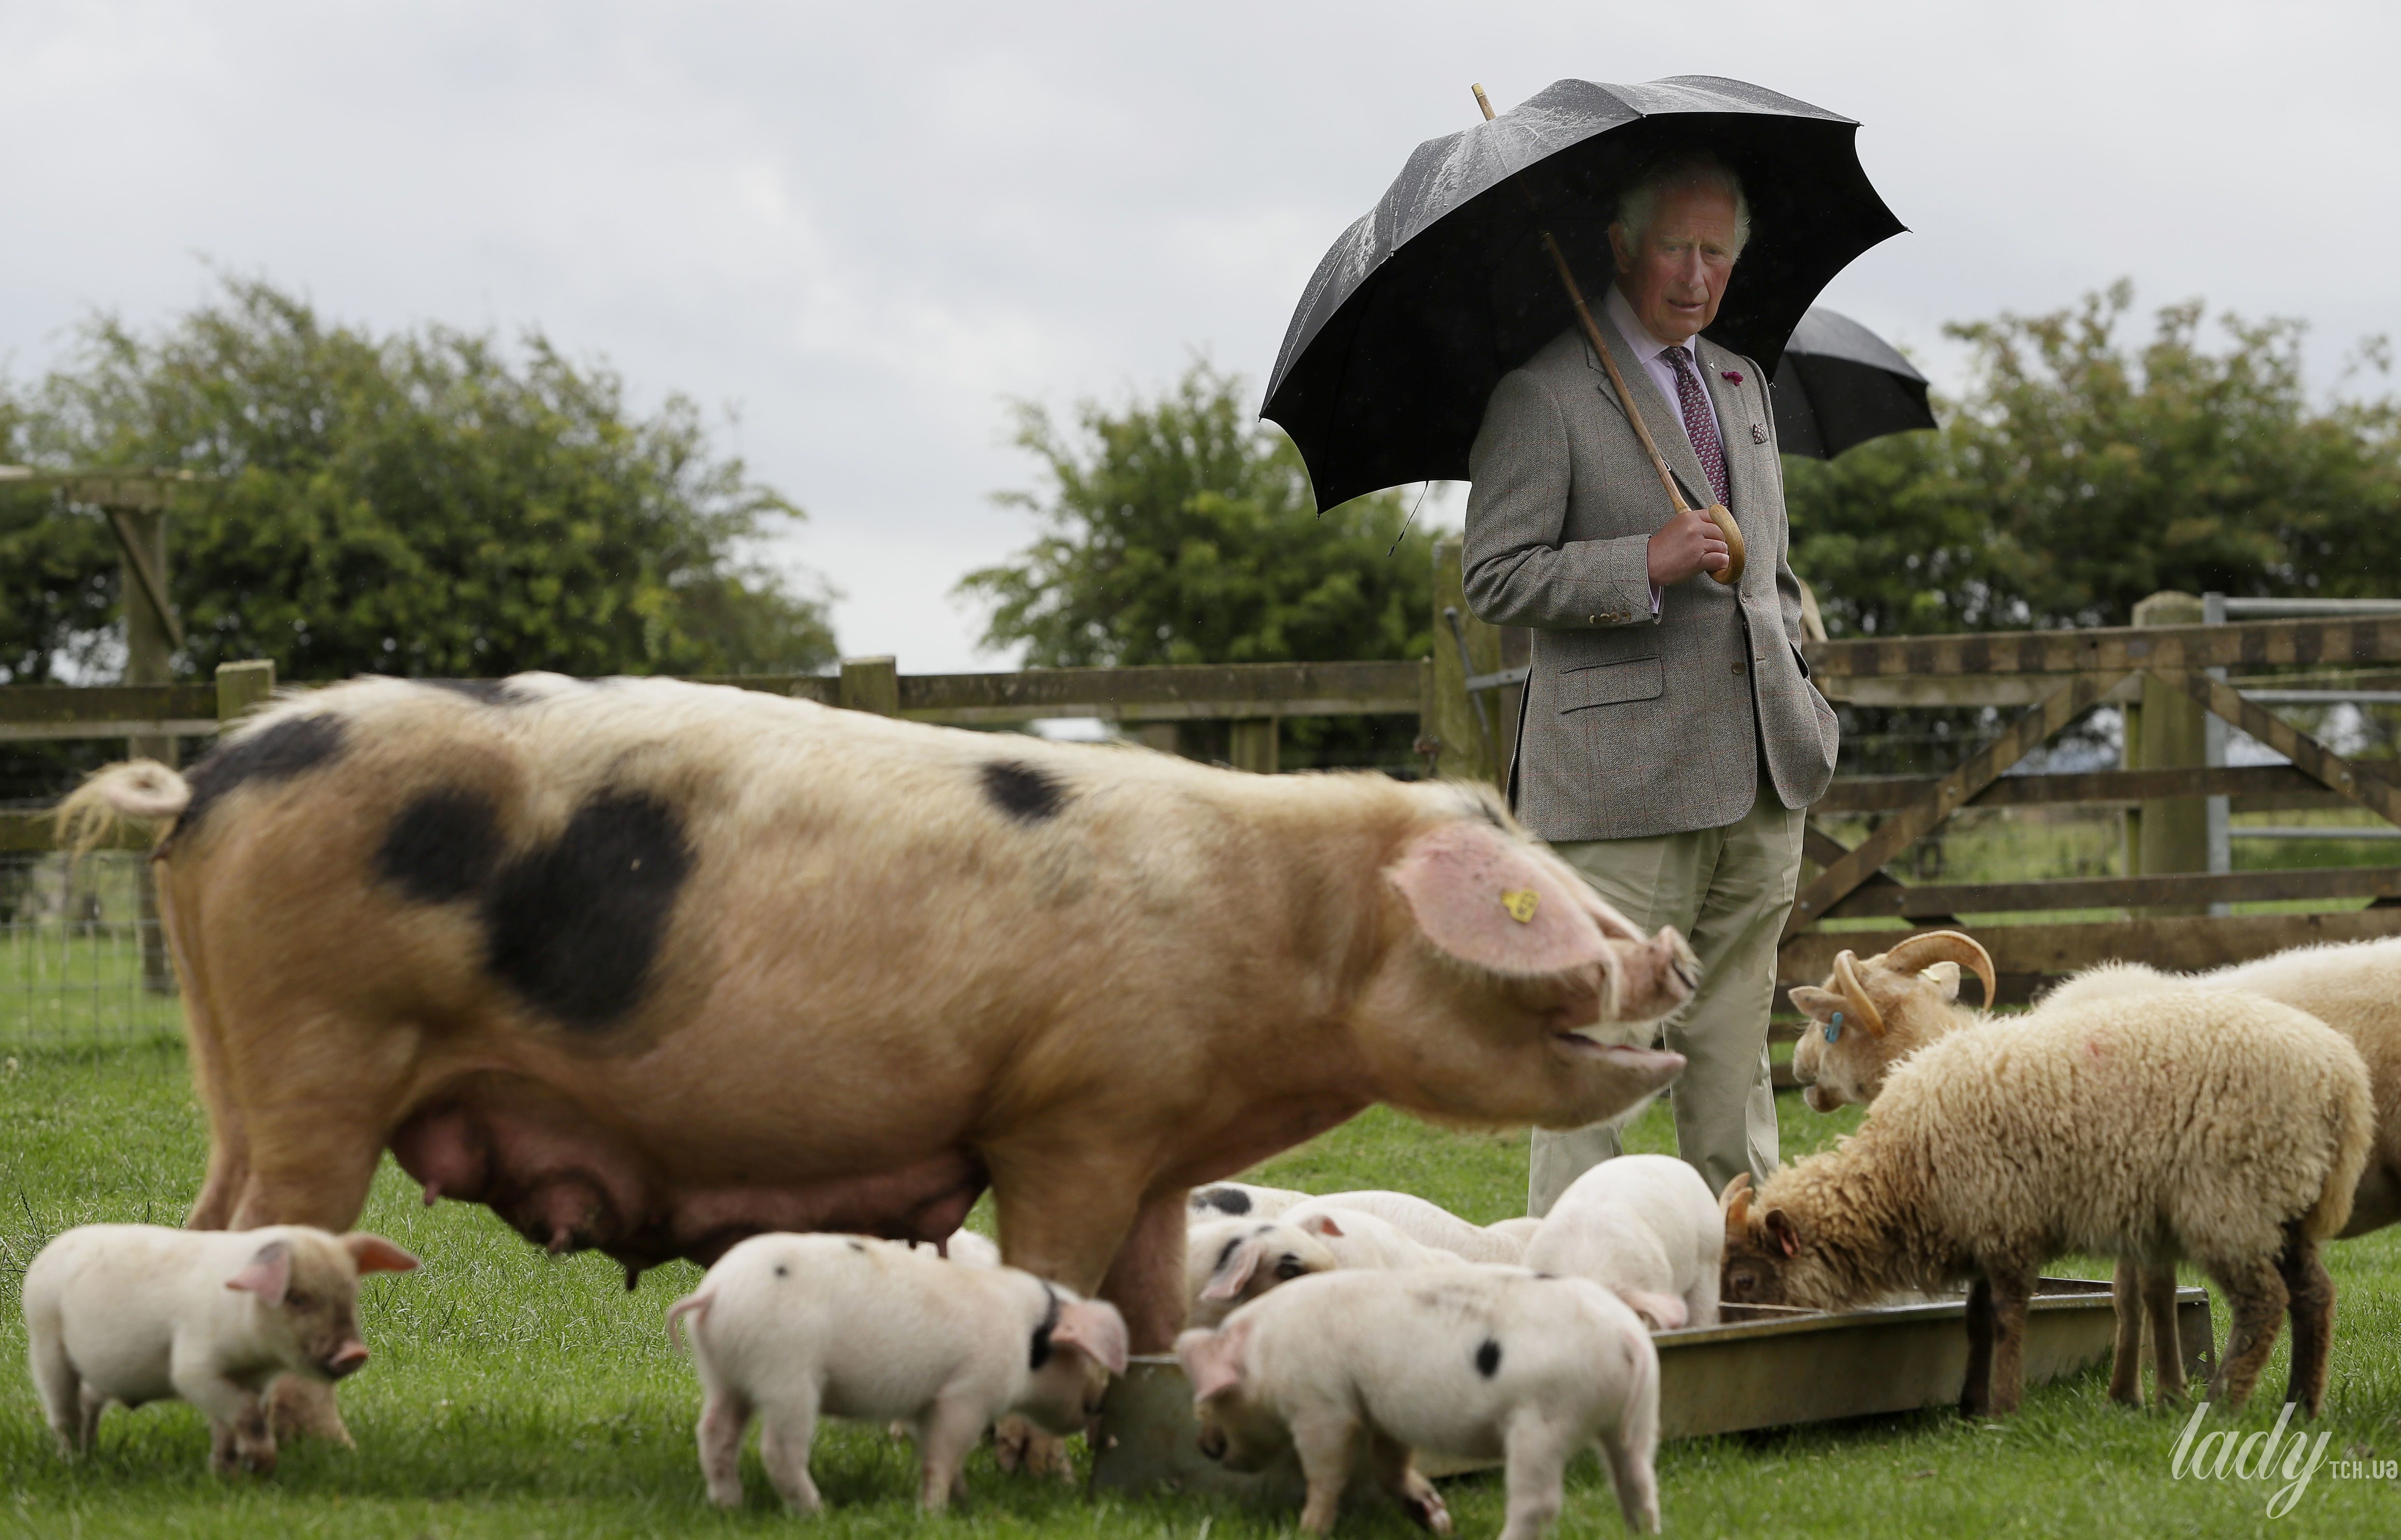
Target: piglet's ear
(1665, 1311)
(1498, 902)
(1227, 1281)
(1322, 1224)
(374, 1254)
(1213, 1360)
(269, 1274)
(1095, 1327)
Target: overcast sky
(861, 228)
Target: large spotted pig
(650, 967)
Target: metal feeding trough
(1765, 1366)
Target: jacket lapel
(1666, 423)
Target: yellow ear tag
(1520, 903)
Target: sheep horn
(1738, 1205)
(1846, 979)
(1914, 954)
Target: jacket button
(1738, 665)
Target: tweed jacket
(1631, 726)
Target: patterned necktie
(1700, 424)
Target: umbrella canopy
(1840, 384)
(1422, 306)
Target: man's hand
(1688, 544)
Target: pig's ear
(269, 1274)
(1094, 1326)
(1820, 1004)
(1781, 1229)
(1227, 1280)
(1213, 1360)
(1322, 1224)
(1497, 902)
(1944, 976)
(1665, 1311)
(374, 1254)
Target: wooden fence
(1465, 699)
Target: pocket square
(1759, 432)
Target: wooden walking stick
(1716, 512)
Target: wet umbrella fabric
(1416, 312)
(1839, 385)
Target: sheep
(2199, 1125)
(1647, 1228)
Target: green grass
(515, 1395)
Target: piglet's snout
(1213, 1442)
(347, 1359)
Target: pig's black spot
(782, 1271)
(1227, 1254)
(441, 848)
(573, 926)
(854, 1245)
(1226, 1199)
(291, 748)
(1041, 1347)
(1023, 792)
(1488, 1358)
(1547, 1277)
(489, 692)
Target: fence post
(869, 684)
(1251, 744)
(2169, 833)
(241, 687)
(1471, 733)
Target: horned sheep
(2198, 1124)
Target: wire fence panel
(81, 958)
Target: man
(1670, 740)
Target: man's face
(1676, 276)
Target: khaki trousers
(1729, 890)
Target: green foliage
(2082, 473)
(1181, 530)
(422, 503)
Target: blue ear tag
(1835, 1028)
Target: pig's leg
(2158, 1283)
(1537, 1474)
(1634, 1471)
(1976, 1390)
(2012, 1291)
(240, 1437)
(2126, 1358)
(1701, 1300)
(94, 1403)
(786, 1431)
(62, 1392)
(1146, 1280)
(947, 1431)
(723, 1418)
(1397, 1475)
(1324, 1435)
(1063, 1215)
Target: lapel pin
(1759, 432)
(1731, 377)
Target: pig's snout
(1213, 1442)
(346, 1360)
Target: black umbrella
(1840, 384)
(1422, 306)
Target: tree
(1179, 530)
(2081, 473)
(423, 504)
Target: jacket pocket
(1800, 658)
(1608, 684)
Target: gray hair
(1638, 203)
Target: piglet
(133, 1314)
(1647, 1228)
(1231, 1262)
(790, 1328)
(1477, 1361)
(1362, 1240)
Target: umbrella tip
(1482, 100)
